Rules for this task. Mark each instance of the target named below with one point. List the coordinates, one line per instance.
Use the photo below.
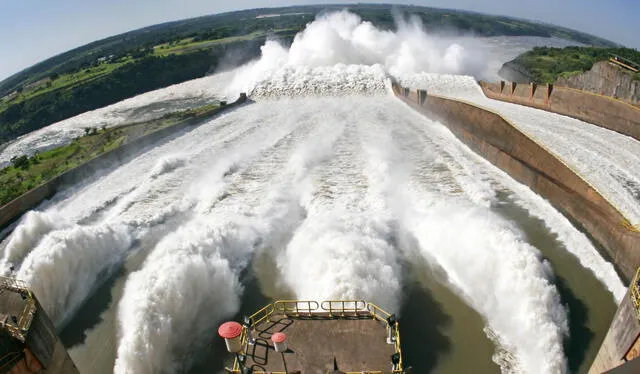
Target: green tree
(21, 162)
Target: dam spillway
(360, 193)
(325, 187)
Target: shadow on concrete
(422, 322)
(276, 326)
(260, 352)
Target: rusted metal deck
(355, 336)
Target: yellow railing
(624, 64)
(295, 307)
(238, 371)
(398, 347)
(335, 309)
(377, 312)
(344, 307)
(382, 315)
(261, 315)
(635, 292)
(18, 329)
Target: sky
(33, 30)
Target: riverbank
(34, 179)
(547, 65)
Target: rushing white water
(345, 246)
(607, 160)
(482, 193)
(63, 269)
(339, 191)
(451, 231)
(208, 250)
(34, 226)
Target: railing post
(247, 325)
(533, 90)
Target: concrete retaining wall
(606, 78)
(15, 208)
(497, 140)
(43, 343)
(622, 335)
(603, 111)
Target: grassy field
(27, 173)
(188, 44)
(78, 78)
(547, 64)
(66, 81)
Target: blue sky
(33, 30)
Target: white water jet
(338, 53)
(340, 255)
(501, 276)
(25, 237)
(65, 266)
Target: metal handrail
(344, 306)
(7, 361)
(261, 315)
(377, 312)
(635, 292)
(398, 349)
(19, 328)
(26, 317)
(13, 284)
(629, 63)
(296, 306)
(382, 315)
(238, 371)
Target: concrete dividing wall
(15, 208)
(621, 342)
(497, 140)
(43, 343)
(603, 111)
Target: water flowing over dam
(324, 187)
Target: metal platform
(18, 308)
(356, 336)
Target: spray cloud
(340, 50)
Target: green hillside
(545, 65)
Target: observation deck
(350, 336)
(28, 339)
